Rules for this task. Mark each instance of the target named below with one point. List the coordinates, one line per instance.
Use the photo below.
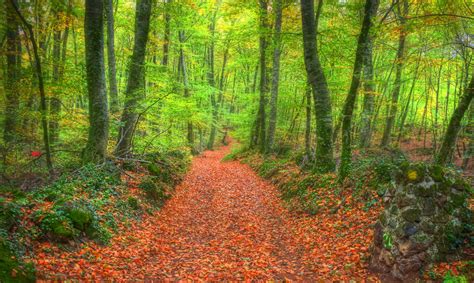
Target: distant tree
(275, 75)
(445, 153)
(113, 90)
(96, 148)
(136, 76)
(371, 7)
(322, 101)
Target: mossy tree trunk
(399, 60)
(113, 90)
(275, 75)
(96, 148)
(136, 76)
(322, 101)
(445, 153)
(369, 97)
(13, 74)
(371, 7)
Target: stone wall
(426, 219)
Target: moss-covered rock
(428, 217)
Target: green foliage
(450, 278)
(155, 190)
(11, 269)
(387, 241)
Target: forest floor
(223, 223)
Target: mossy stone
(9, 264)
(411, 214)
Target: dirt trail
(223, 223)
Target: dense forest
(219, 140)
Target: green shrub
(133, 203)
(11, 268)
(154, 190)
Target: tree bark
(96, 148)
(369, 97)
(136, 78)
(39, 75)
(275, 75)
(371, 7)
(445, 153)
(399, 60)
(13, 74)
(212, 82)
(322, 101)
(112, 72)
(184, 70)
(166, 43)
(261, 116)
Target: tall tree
(13, 74)
(369, 96)
(166, 42)
(39, 76)
(445, 153)
(399, 60)
(55, 102)
(113, 90)
(211, 78)
(322, 100)
(260, 133)
(371, 7)
(184, 71)
(275, 75)
(136, 77)
(96, 148)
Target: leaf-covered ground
(223, 223)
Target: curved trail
(223, 223)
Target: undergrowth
(88, 204)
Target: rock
(411, 214)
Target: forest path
(223, 223)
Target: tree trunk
(398, 75)
(322, 101)
(307, 134)
(371, 7)
(13, 74)
(261, 116)
(212, 82)
(136, 76)
(445, 153)
(55, 103)
(39, 75)
(113, 90)
(96, 148)
(275, 75)
(166, 42)
(369, 97)
(184, 70)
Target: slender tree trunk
(371, 7)
(307, 134)
(13, 74)
(275, 75)
(136, 77)
(39, 74)
(369, 98)
(212, 82)
(398, 75)
(187, 94)
(322, 101)
(55, 103)
(96, 148)
(446, 151)
(112, 72)
(166, 43)
(261, 116)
